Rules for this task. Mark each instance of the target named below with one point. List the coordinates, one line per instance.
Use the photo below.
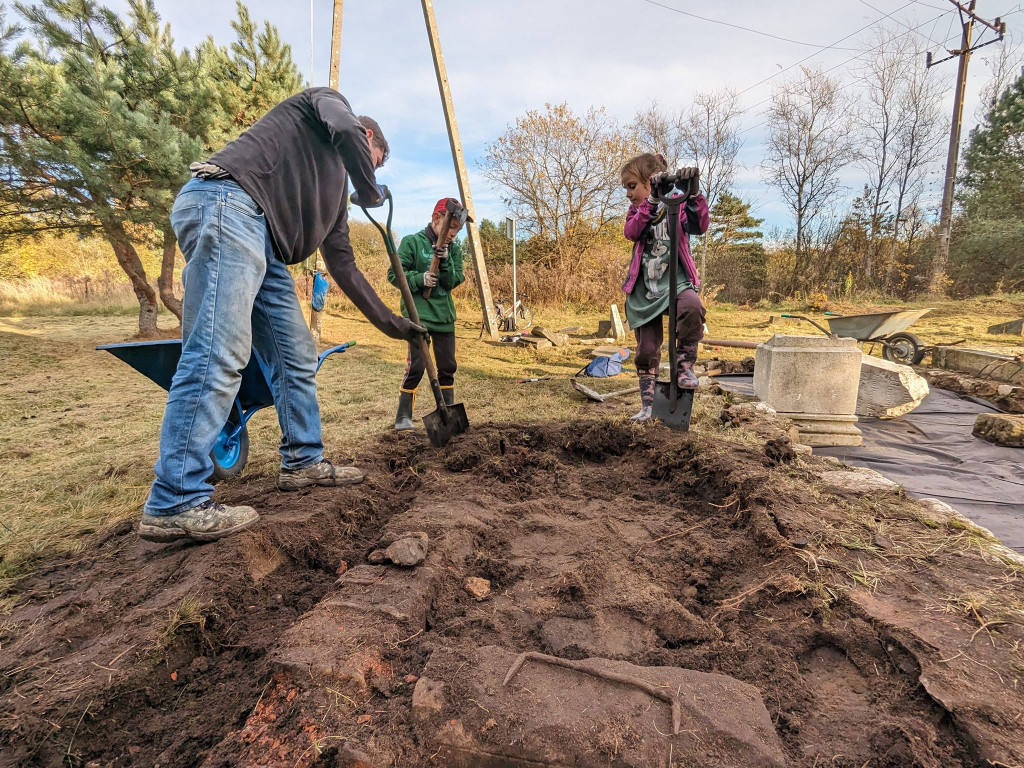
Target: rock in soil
(407, 552)
(858, 481)
(1000, 428)
(550, 715)
(477, 587)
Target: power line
(905, 26)
(740, 27)
(828, 47)
(840, 64)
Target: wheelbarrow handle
(812, 322)
(328, 352)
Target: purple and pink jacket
(693, 217)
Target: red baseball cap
(440, 208)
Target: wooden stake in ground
(316, 316)
(483, 285)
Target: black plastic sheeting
(932, 454)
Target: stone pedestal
(888, 389)
(813, 381)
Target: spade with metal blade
(448, 420)
(673, 405)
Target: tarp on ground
(932, 454)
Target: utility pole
(967, 21)
(490, 328)
(315, 316)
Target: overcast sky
(504, 58)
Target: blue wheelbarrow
(158, 360)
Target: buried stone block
(551, 715)
(1014, 328)
(888, 389)
(812, 381)
(1000, 428)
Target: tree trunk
(166, 281)
(129, 260)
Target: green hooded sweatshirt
(416, 252)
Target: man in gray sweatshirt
(268, 199)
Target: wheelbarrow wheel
(229, 456)
(905, 348)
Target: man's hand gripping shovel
(672, 405)
(448, 420)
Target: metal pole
(483, 285)
(941, 259)
(515, 300)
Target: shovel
(448, 420)
(672, 405)
(597, 397)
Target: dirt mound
(876, 632)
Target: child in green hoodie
(437, 314)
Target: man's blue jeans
(238, 295)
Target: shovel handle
(435, 263)
(410, 306)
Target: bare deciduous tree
(899, 128)
(808, 145)
(710, 133)
(559, 172)
(706, 133)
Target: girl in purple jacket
(646, 286)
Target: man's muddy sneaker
(322, 473)
(206, 522)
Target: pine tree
(253, 75)
(98, 123)
(100, 117)
(736, 255)
(988, 252)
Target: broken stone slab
(558, 339)
(618, 330)
(552, 716)
(813, 381)
(976, 362)
(943, 513)
(859, 480)
(1000, 428)
(888, 389)
(1014, 328)
(534, 342)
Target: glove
(659, 184)
(429, 279)
(382, 195)
(441, 251)
(688, 179)
(411, 332)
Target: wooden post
(941, 259)
(316, 318)
(490, 326)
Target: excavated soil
(877, 631)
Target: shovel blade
(444, 423)
(674, 415)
